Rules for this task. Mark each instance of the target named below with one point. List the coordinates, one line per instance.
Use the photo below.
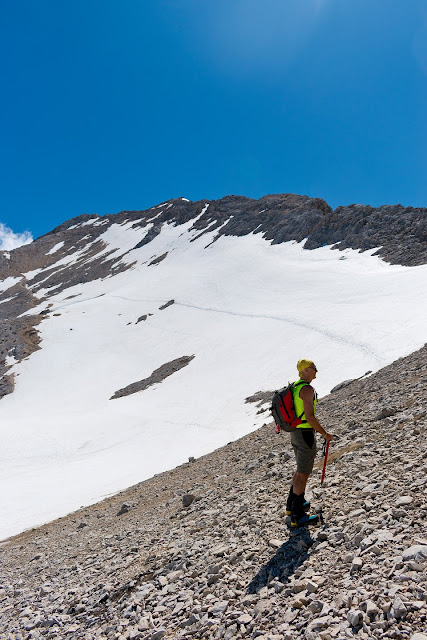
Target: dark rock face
(157, 376)
(19, 339)
(401, 233)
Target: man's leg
(304, 445)
(299, 482)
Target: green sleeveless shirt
(299, 404)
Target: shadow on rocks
(287, 559)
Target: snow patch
(55, 248)
(9, 282)
(7, 299)
(120, 239)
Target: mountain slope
(120, 302)
(141, 566)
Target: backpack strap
(300, 383)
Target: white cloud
(10, 240)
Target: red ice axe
(326, 460)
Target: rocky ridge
(203, 551)
(75, 252)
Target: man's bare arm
(307, 396)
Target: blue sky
(113, 105)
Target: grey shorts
(304, 445)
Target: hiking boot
(306, 519)
(298, 516)
(305, 504)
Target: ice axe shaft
(325, 462)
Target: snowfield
(247, 310)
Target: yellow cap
(303, 364)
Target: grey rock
(416, 552)
(355, 617)
(213, 569)
(144, 624)
(371, 609)
(341, 385)
(357, 564)
(189, 621)
(245, 619)
(219, 607)
(187, 499)
(311, 586)
(124, 509)
(275, 543)
(298, 586)
(316, 626)
(316, 606)
(386, 412)
(398, 608)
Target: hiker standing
(304, 443)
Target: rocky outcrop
(156, 377)
(144, 564)
(19, 339)
(400, 232)
(166, 305)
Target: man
(304, 443)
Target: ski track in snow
(336, 337)
(287, 320)
(292, 321)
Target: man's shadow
(287, 559)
